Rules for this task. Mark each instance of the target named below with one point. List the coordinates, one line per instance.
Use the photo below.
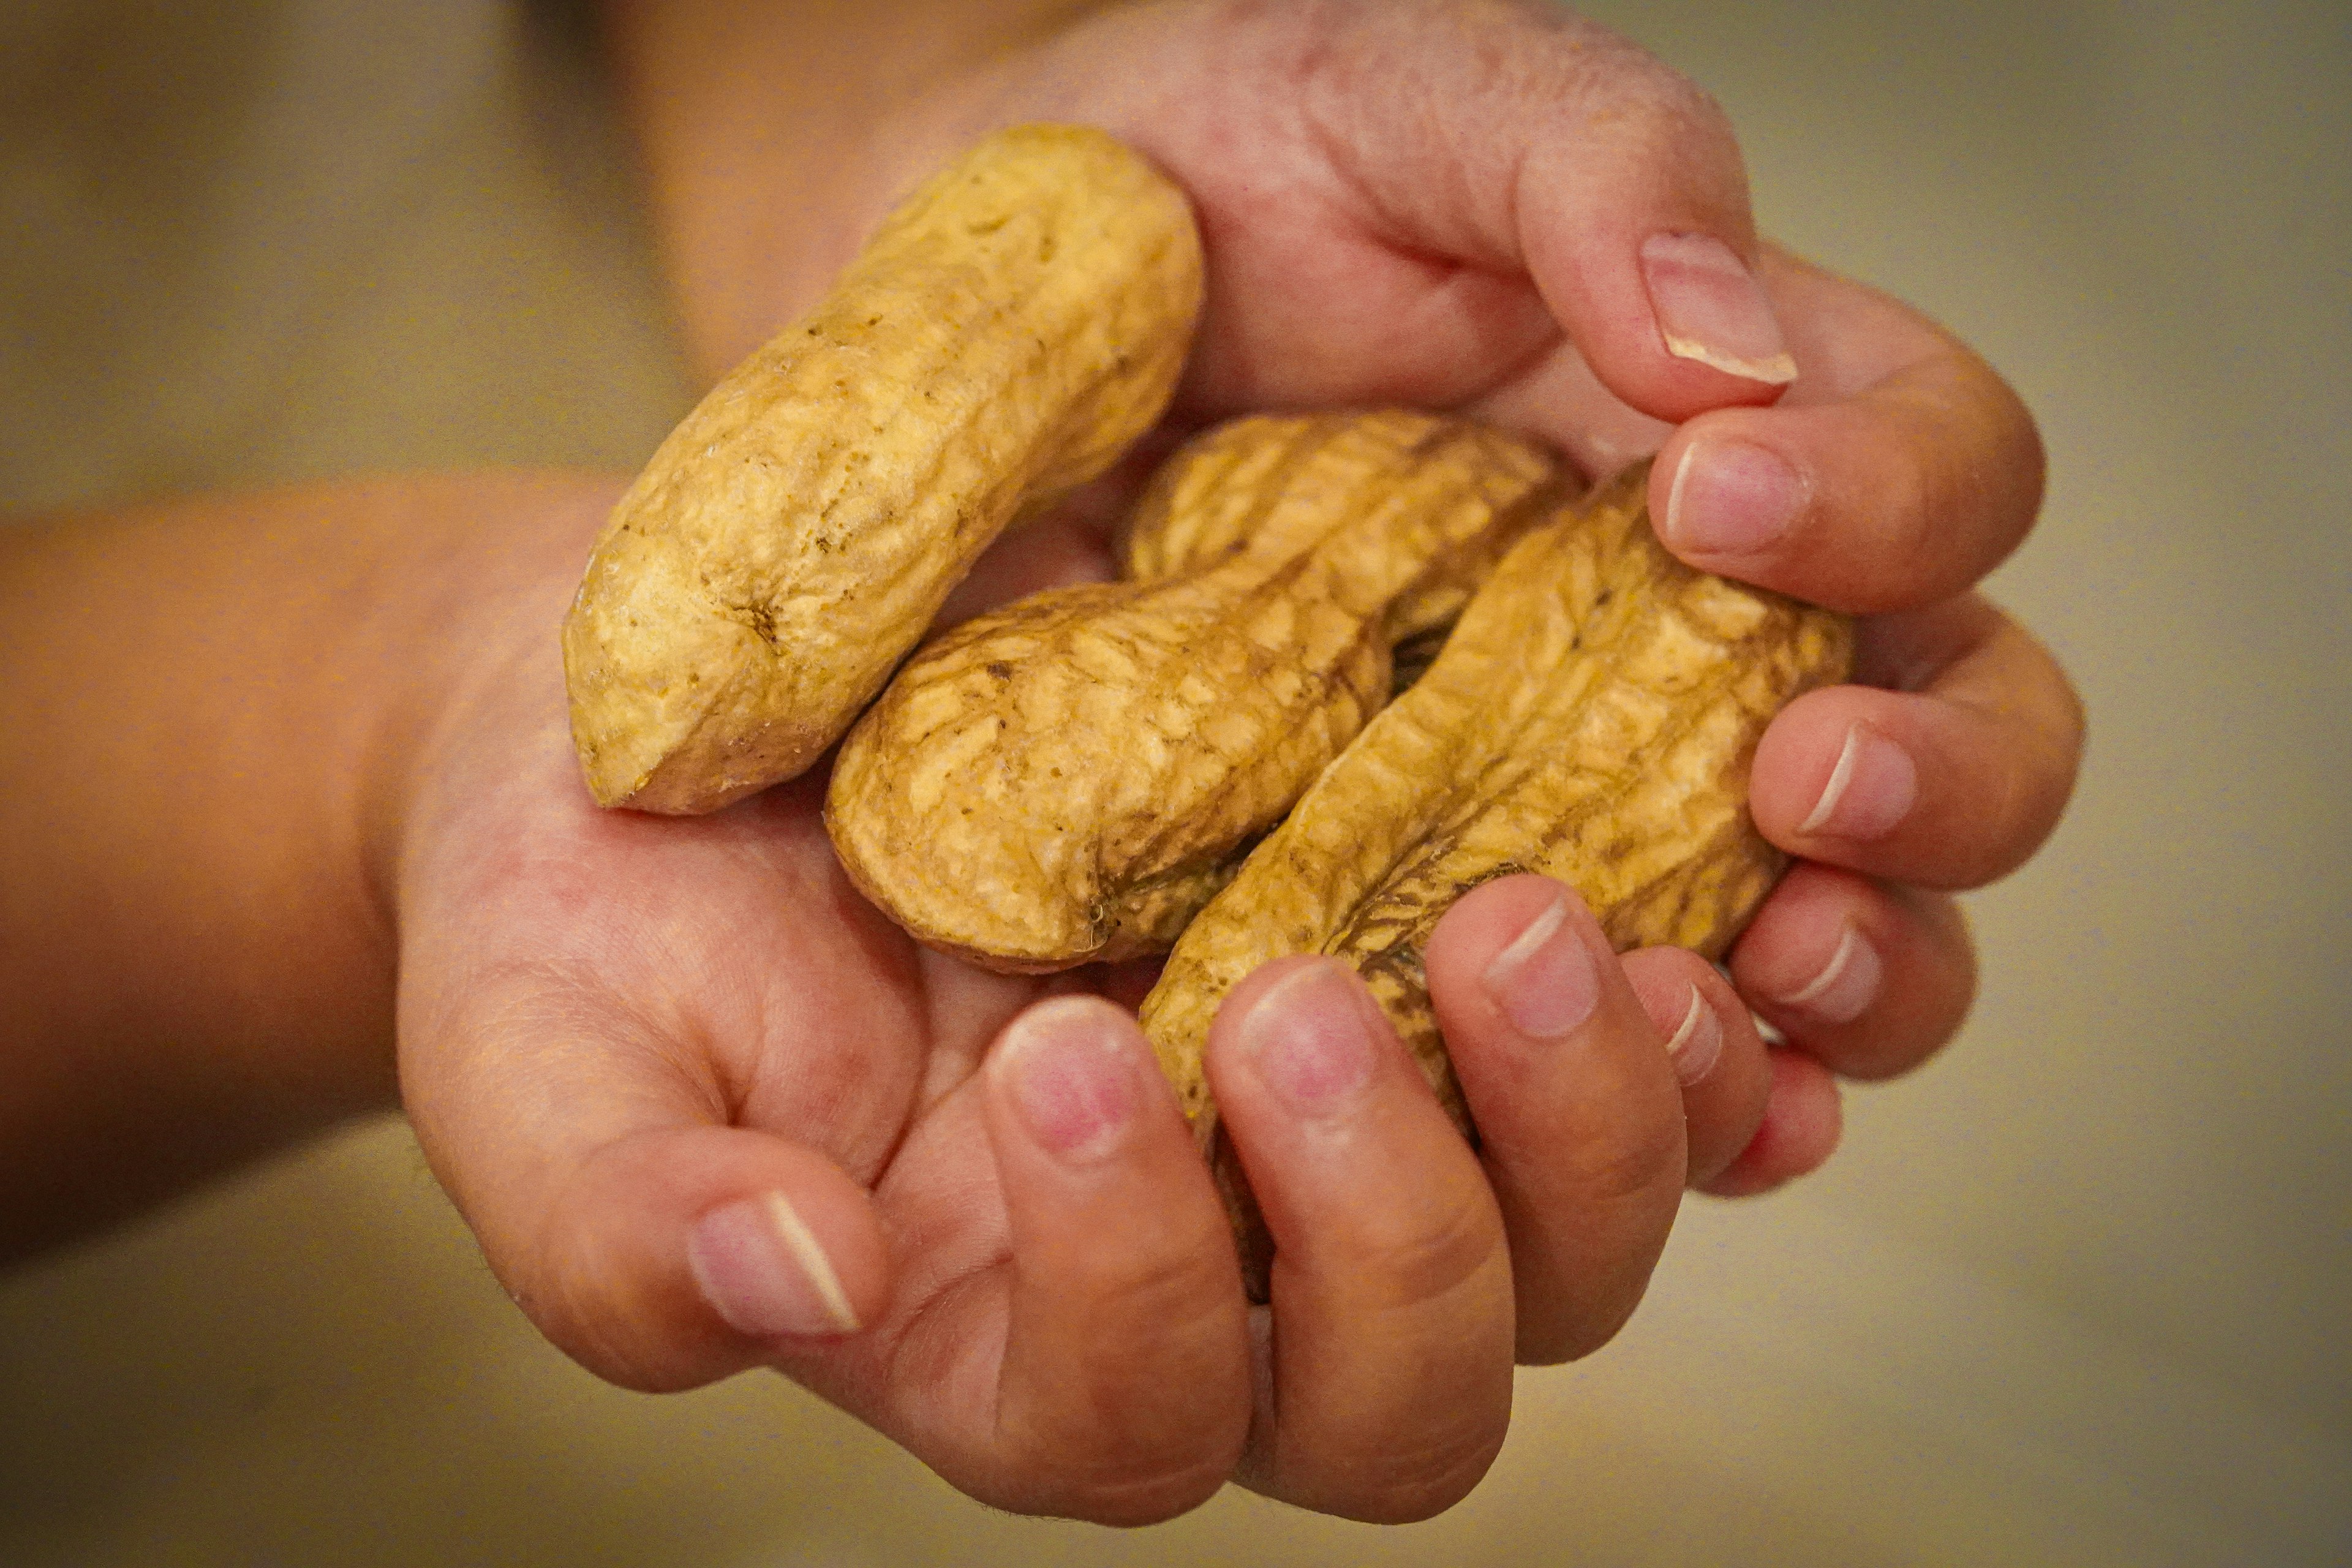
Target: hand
(1500, 209)
(708, 1111)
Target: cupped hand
(707, 1110)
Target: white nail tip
(1834, 791)
(1684, 1030)
(802, 1243)
(1523, 946)
(1846, 984)
(1775, 370)
(1694, 1048)
(1674, 491)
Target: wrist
(219, 713)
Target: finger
(1870, 978)
(1580, 1116)
(647, 1239)
(1125, 1393)
(1949, 785)
(1898, 471)
(1802, 1120)
(1444, 193)
(1717, 1053)
(1391, 1381)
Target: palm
(722, 966)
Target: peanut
(1592, 717)
(1004, 336)
(1072, 777)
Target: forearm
(759, 124)
(215, 706)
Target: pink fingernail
(1545, 983)
(1870, 790)
(1730, 498)
(762, 1269)
(1698, 1041)
(1846, 984)
(1310, 1039)
(1070, 1065)
(1711, 309)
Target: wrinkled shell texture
(1072, 777)
(1592, 717)
(1008, 333)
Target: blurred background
(2078, 1292)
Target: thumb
(1543, 144)
(1442, 159)
(654, 1244)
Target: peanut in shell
(1017, 323)
(1592, 717)
(1070, 778)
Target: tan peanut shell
(1070, 778)
(1003, 337)
(1591, 717)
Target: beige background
(2076, 1293)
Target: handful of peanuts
(1242, 749)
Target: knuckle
(1424, 1257)
(1662, 112)
(1641, 1160)
(1178, 1285)
(1118, 1439)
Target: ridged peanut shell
(1592, 717)
(1008, 333)
(1070, 778)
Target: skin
(298, 814)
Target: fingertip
(1724, 498)
(679, 1255)
(1718, 1055)
(1869, 978)
(797, 1260)
(1070, 1073)
(1683, 1009)
(1647, 252)
(1477, 959)
(1809, 788)
(1951, 785)
(1711, 310)
(1673, 319)
(1123, 1396)
(1900, 471)
(1804, 1117)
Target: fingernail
(762, 1269)
(1697, 1042)
(1846, 984)
(1310, 1039)
(1730, 498)
(1545, 983)
(1870, 789)
(1711, 309)
(1070, 1065)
